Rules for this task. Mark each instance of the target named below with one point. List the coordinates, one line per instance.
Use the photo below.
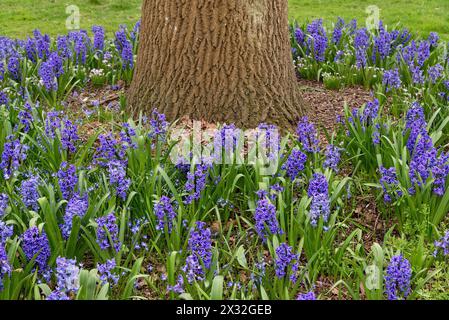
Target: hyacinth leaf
(93, 245)
(402, 165)
(96, 209)
(201, 293)
(53, 159)
(185, 296)
(356, 234)
(133, 276)
(217, 288)
(170, 185)
(51, 226)
(263, 294)
(433, 118)
(171, 269)
(17, 286)
(88, 284)
(241, 258)
(353, 292)
(83, 153)
(44, 288)
(280, 212)
(103, 294)
(123, 218)
(73, 238)
(442, 209)
(339, 189)
(373, 289)
(379, 260)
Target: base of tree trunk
(219, 61)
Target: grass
(18, 18)
(419, 16)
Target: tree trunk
(216, 60)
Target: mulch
(324, 105)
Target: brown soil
(324, 104)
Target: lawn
(420, 16)
(20, 17)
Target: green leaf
(217, 288)
(241, 258)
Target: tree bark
(216, 60)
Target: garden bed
(352, 204)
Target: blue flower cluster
(285, 258)
(158, 126)
(126, 136)
(319, 192)
(267, 136)
(317, 41)
(307, 135)
(392, 79)
(50, 71)
(25, 117)
(98, 32)
(295, 163)
(5, 267)
(35, 245)
(361, 44)
(6, 231)
(29, 192)
(389, 183)
(227, 139)
(67, 275)
(165, 214)
(56, 295)
(306, 296)
(333, 156)
(196, 182)
(425, 161)
(125, 48)
(106, 272)
(13, 154)
(200, 248)
(111, 154)
(397, 278)
(77, 206)
(107, 232)
(109, 149)
(442, 245)
(67, 179)
(265, 217)
(118, 178)
(52, 123)
(4, 199)
(69, 136)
